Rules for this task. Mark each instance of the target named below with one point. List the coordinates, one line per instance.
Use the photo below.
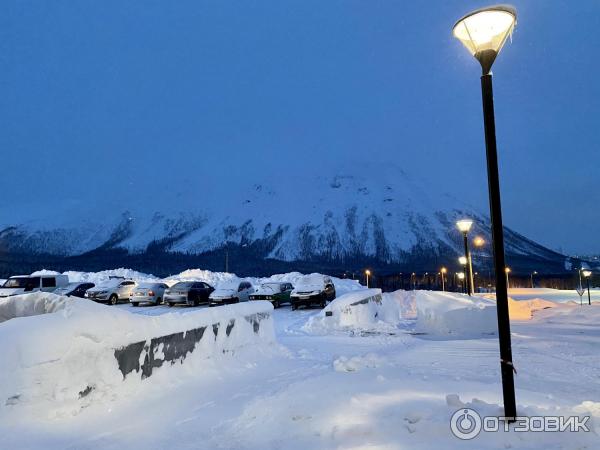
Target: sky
(101, 98)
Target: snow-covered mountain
(381, 215)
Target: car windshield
(109, 284)
(229, 286)
(147, 286)
(182, 285)
(275, 287)
(310, 281)
(20, 282)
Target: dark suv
(191, 293)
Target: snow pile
(445, 313)
(363, 311)
(67, 358)
(40, 303)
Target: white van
(23, 284)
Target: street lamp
(464, 226)
(462, 260)
(483, 32)
(507, 271)
(443, 272)
(367, 273)
(531, 276)
(587, 274)
(461, 277)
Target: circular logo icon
(465, 424)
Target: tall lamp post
(464, 226)
(532, 274)
(587, 274)
(443, 271)
(461, 277)
(483, 32)
(507, 271)
(463, 261)
(367, 274)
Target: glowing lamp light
(463, 260)
(464, 225)
(587, 273)
(443, 270)
(507, 269)
(484, 31)
(460, 275)
(368, 272)
(479, 241)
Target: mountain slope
(377, 215)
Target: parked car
(148, 293)
(21, 284)
(231, 292)
(274, 291)
(112, 291)
(312, 289)
(190, 292)
(74, 289)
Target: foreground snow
(391, 389)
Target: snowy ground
(381, 391)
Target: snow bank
(363, 311)
(82, 351)
(40, 303)
(445, 313)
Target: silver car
(148, 293)
(111, 291)
(231, 292)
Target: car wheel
(276, 304)
(135, 304)
(294, 307)
(195, 302)
(170, 304)
(159, 301)
(113, 299)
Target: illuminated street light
(531, 276)
(483, 33)
(507, 271)
(478, 241)
(443, 272)
(464, 226)
(367, 273)
(587, 274)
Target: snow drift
(365, 310)
(81, 350)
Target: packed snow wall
(75, 351)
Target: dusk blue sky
(94, 92)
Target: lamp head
(479, 241)
(463, 260)
(368, 272)
(484, 31)
(443, 270)
(507, 269)
(460, 275)
(587, 273)
(464, 225)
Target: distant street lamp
(483, 32)
(464, 226)
(587, 274)
(413, 280)
(443, 271)
(531, 276)
(367, 273)
(507, 271)
(461, 277)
